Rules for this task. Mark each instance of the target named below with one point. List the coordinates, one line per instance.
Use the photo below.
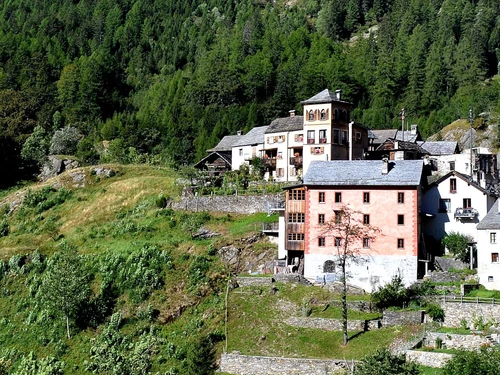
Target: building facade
(488, 249)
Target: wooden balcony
(295, 227)
(295, 245)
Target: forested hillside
(163, 80)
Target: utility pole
(403, 123)
(470, 123)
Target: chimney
(385, 165)
(338, 94)
(292, 112)
(413, 129)
(239, 132)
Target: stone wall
(429, 359)
(454, 312)
(333, 324)
(393, 318)
(454, 341)
(235, 363)
(246, 204)
(254, 281)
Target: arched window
(344, 115)
(311, 115)
(323, 114)
(336, 114)
(329, 266)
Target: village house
(386, 193)
(455, 203)
(219, 159)
(247, 147)
(488, 249)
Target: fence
(476, 300)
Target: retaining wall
(247, 204)
(394, 318)
(429, 359)
(454, 312)
(235, 363)
(454, 341)
(333, 324)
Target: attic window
(452, 165)
(453, 185)
(323, 114)
(311, 115)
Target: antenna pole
(470, 123)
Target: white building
(488, 249)
(455, 203)
(247, 147)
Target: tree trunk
(67, 326)
(344, 304)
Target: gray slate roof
(253, 137)
(384, 134)
(364, 173)
(325, 96)
(286, 124)
(439, 147)
(491, 220)
(226, 143)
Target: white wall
(375, 271)
(485, 267)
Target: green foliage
(4, 228)
(391, 294)
(458, 245)
(65, 285)
(382, 362)
(30, 365)
(200, 358)
(485, 362)
(45, 198)
(435, 311)
(36, 146)
(65, 141)
(118, 354)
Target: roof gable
(463, 177)
(492, 218)
(286, 124)
(325, 96)
(253, 137)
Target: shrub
(4, 228)
(458, 245)
(393, 294)
(64, 141)
(435, 312)
(382, 362)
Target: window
(344, 137)
(366, 197)
(366, 243)
(310, 136)
(366, 219)
(401, 219)
(329, 266)
(453, 185)
(321, 218)
(467, 203)
(241, 151)
(298, 217)
(490, 279)
(280, 155)
(338, 216)
(401, 198)
(401, 243)
(338, 241)
(336, 114)
(297, 195)
(280, 172)
(336, 136)
(321, 198)
(295, 236)
(494, 257)
(321, 241)
(317, 150)
(444, 205)
(311, 115)
(299, 137)
(323, 115)
(358, 137)
(452, 165)
(338, 197)
(322, 136)
(493, 237)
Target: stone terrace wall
(454, 312)
(454, 341)
(429, 359)
(247, 204)
(393, 318)
(333, 324)
(238, 364)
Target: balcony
(269, 162)
(296, 161)
(295, 245)
(466, 213)
(270, 228)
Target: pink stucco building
(386, 194)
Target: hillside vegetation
(151, 292)
(164, 80)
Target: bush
(485, 362)
(64, 141)
(382, 362)
(435, 312)
(458, 245)
(4, 228)
(393, 294)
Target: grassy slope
(118, 215)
